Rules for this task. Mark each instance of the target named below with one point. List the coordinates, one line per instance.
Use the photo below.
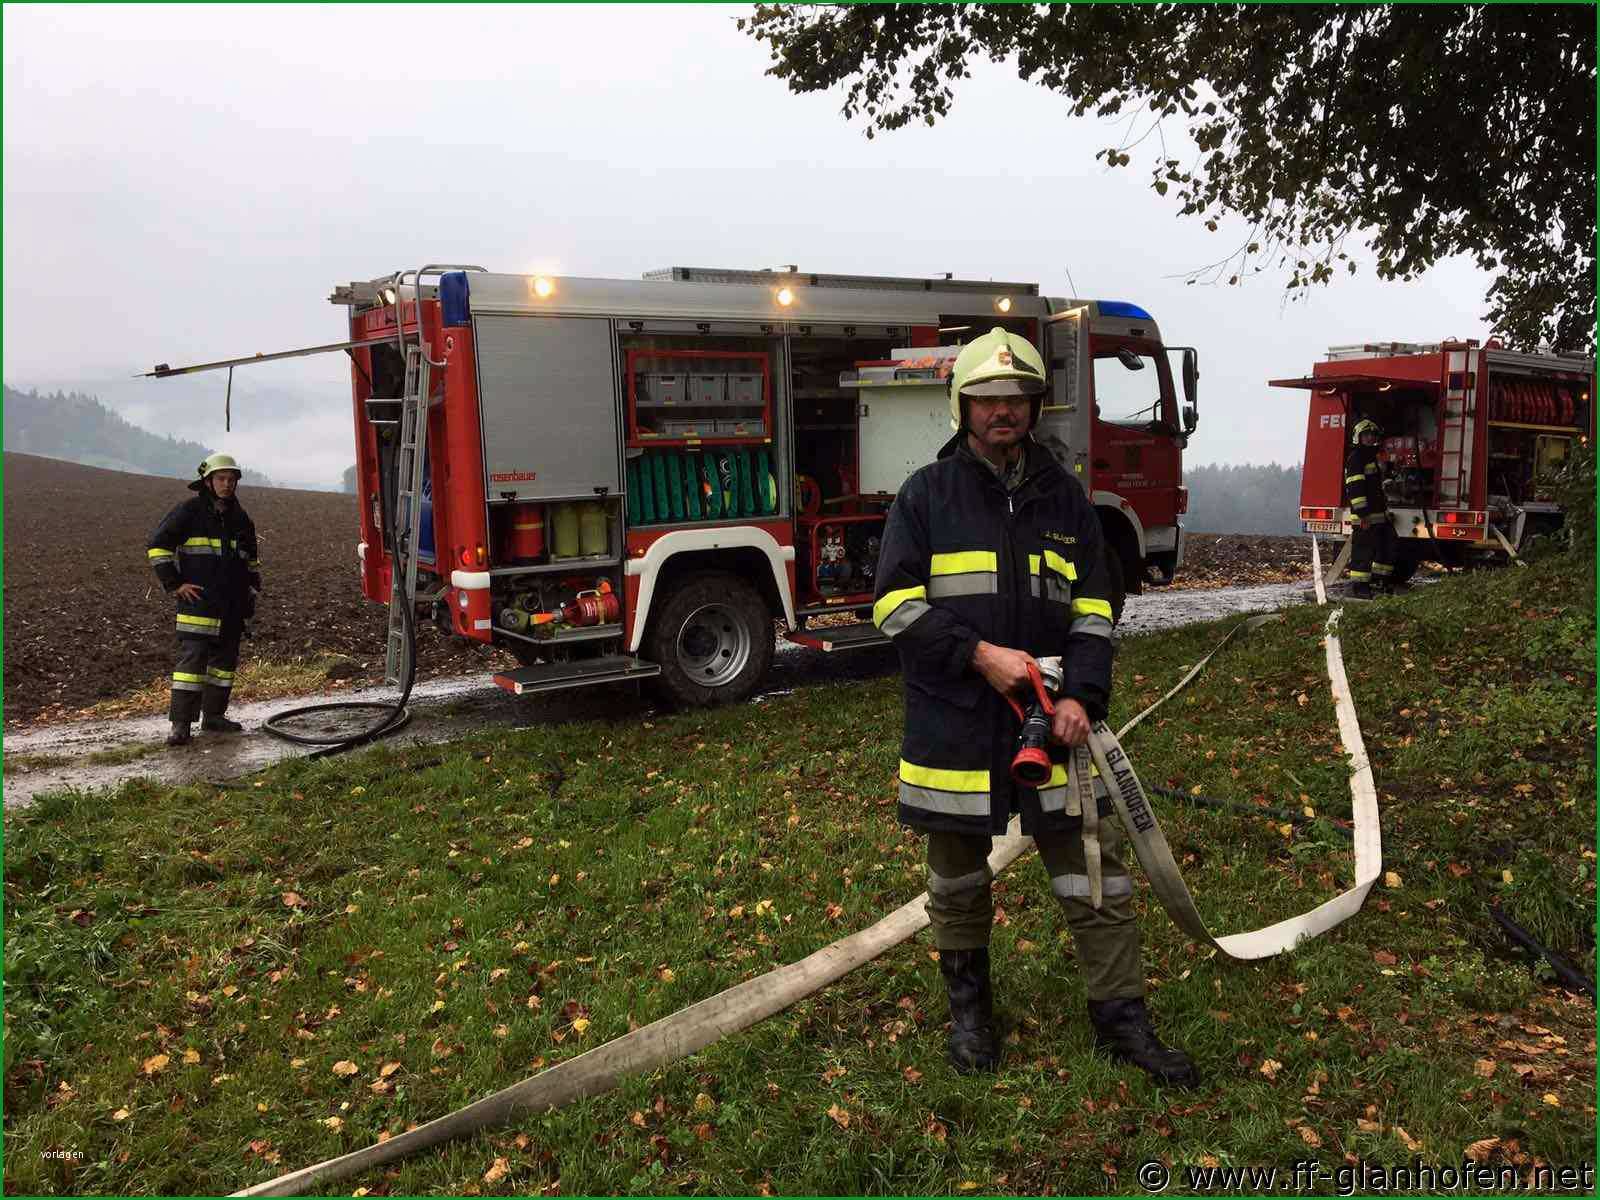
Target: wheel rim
(713, 645)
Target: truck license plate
(1323, 526)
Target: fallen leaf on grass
(498, 1171)
(1484, 1068)
(1383, 958)
(388, 1069)
(1271, 1067)
(293, 900)
(155, 1064)
(840, 1117)
(345, 1067)
(1391, 879)
(1481, 1150)
(913, 1075)
(190, 1057)
(1309, 1136)
(334, 1123)
(1411, 1143)
(580, 1026)
(121, 1114)
(1553, 1100)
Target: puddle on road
(104, 754)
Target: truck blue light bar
(1121, 308)
(453, 298)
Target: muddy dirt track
(86, 621)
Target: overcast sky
(187, 183)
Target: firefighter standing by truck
(204, 553)
(1372, 551)
(992, 557)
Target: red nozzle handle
(1038, 690)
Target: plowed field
(86, 621)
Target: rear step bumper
(840, 637)
(550, 677)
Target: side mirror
(1191, 418)
(1191, 380)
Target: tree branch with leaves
(1426, 131)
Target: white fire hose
(688, 1030)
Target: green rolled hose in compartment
(674, 487)
(747, 501)
(658, 481)
(633, 491)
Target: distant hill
(80, 429)
(1243, 499)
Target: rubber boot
(180, 735)
(972, 1046)
(220, 724)
(1361, 591)
(1123, 1028)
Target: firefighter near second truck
(992, 559)
(1372, 548)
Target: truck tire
(713, 638)
(1118, 589)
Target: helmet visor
(1004, 387)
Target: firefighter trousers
(961, 908)
(1372, 550)
(203, 679)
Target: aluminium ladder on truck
(410, 458)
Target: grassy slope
(185, 967)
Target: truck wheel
(1118, 582)
(712, 637)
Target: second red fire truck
(1473, 438)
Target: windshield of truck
(1128, 386)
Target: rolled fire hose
(690, 1029)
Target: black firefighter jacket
(1363, 485)
(196, 544)
(962, 561)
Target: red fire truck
(621, 479)
(1472, 438)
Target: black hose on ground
(1571, 978)
(1280, 814)
(396, 715)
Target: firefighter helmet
(1368, 425)
(210, 465)
(997, 364)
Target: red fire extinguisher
(599, 606)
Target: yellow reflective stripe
(893, 600)
(1058, 776)
(159, 553)
(963, 561)
(204, 541)
(207, 622)
(1359, 502)
(1091, 608)
(255, 564)
(943, 780)
(1371, 468)
(1060, 565)
(187, 677)
(1355, 478)
(219, 672)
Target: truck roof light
(1003, 304)
(1121, 308)
(542, 287)
(785, 296)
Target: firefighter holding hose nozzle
(992, 584)
(1372, 551)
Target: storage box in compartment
(708, 390)
(688, 428)
(755, 427)
(655, 388)
(745, 391)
